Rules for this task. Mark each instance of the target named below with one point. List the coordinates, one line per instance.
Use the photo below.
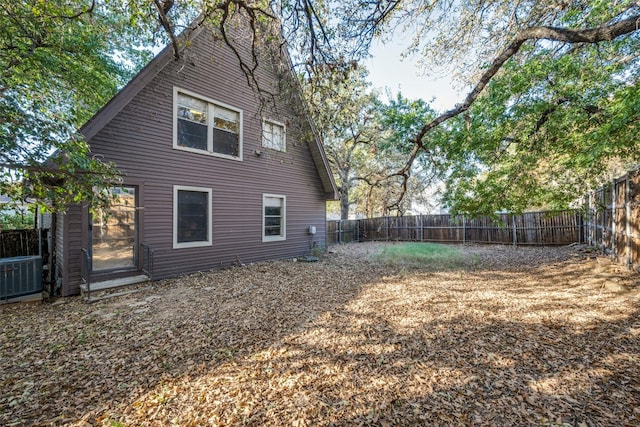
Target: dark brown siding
(60, 255)
(69, 258)
(139, 140)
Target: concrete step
(114, 283)
(116, 294)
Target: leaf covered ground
(504, 336)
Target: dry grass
(513, 337)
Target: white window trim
(284, 134)
(283, 236)
(182, 245)
(209, 102)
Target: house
(211, 176)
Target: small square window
(274, 215)
(274, 135)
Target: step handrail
(147, 260)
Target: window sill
(207, 153)
(187, 245)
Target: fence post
(613, 219)
(595, 221)
(515, 231)
(587, 226)
(627, 207)
(604, 218)
(464, 229)
(339, 231)
(579, 224)
(387, 227)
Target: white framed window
(274, 217)
(274, 135)
(205, 126)
(191, 217)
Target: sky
(387, 69)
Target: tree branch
(589, 35)
(163, 8)
(89, 10)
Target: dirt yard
(512, 337)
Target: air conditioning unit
(20, 276)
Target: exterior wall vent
(20, 276)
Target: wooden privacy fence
(612, 219)
(531, 228)
(15, 243)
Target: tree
(571, 128)
(513, 142)
(364, 139)
(343, 108)
(484, 40)
(59, 62)
(401, 118)
(15, 216)
(531, 92)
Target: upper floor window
(205, 126)
(274, 135)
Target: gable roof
(157, 64)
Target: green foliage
(400, 119)
(429, 256)
(550, 127)
(556, 120)
(342, 106)
(15, 217)
(365, 139)
(59, 63)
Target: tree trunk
(344, 203)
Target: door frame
(117, 272)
